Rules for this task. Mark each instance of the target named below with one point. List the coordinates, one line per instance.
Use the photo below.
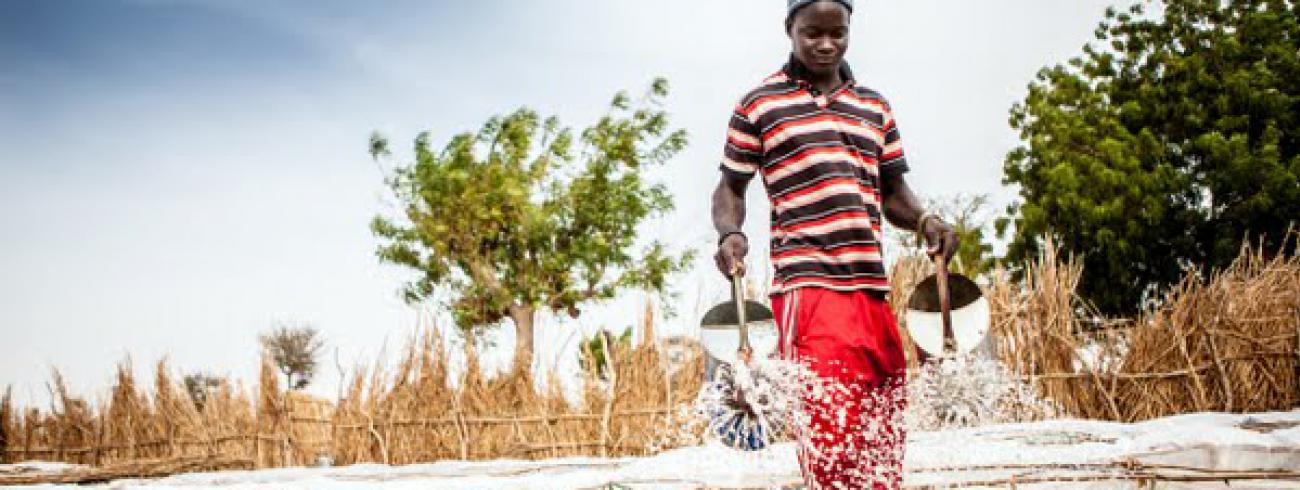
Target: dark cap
(795, 5)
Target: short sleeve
(743, 153)
(892, 161)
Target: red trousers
(850, 430)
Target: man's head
(819, 33)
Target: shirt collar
(796, 71)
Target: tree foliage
(521, 215)
(293, 350)
(1162, 146)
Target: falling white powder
(971, 391)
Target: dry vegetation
(415, 413)
(1228, 343)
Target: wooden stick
(1201, 399)
(134, 469)
(609, 398)
(1223, 372)
(462, 431)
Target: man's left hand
(940, 238)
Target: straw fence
(1229, 342)
(413, 414)
(1225, 343)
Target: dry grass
(416, 413)
(7, 423)
(130, 425)
(1226, 343)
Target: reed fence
(1229, 342)
(413, 414)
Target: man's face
(819, 34)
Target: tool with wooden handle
(947, 313)
(725, 333)
(734, 329)
(945, 303)
(744, 352)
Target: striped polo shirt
(821, 157)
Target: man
(829, 152)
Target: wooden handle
(738, 297)
(945, 303)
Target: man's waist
(872, 284)
(870, 291)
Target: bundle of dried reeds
(1224, 343)
(1228, 342)
(7, 423)
(419, 414)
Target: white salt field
(1090, 451)
(963, 432)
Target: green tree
(513, 219)
(1164, 146)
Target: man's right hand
(731, 255)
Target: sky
(179, 176)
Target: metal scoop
(725, 333)
(947, 313)
(727, 328)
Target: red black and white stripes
(821, 158)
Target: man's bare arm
(903, 209)
(728, 217)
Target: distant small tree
(200, 387)
(294, 349)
